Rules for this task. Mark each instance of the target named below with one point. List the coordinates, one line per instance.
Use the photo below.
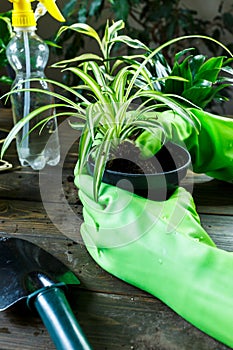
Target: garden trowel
(29, 273)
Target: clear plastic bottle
(28, 56)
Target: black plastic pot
(171, 164)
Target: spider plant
(112, 108)
(114, 116)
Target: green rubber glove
(210, 142)
(161, 248)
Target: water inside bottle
(42, 150)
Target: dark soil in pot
(155, 178)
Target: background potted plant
(205, 79)
(6, 35)
(116, 103)
(150, 21)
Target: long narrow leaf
(69, 102)
(117, 61)
(14, 131)
(82, 58)
(93, 116)
(168, 100)
(134, 43)
(85, 144)
(100, 162)
(98, 75)
(119, 83)
(114, 28)
(71, 90)
(90, 82)
(8, 23)
(81, 28)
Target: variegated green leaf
(114, 28)
(69, 102)
(134, 43)
(8, 23)
(85, 144)
(90, 83)
(101, 159)
(119, 83)
(119, 60)
(97, 72)
(15, 130)
(93, 117)
(82, 58)
(169, 101)
(81, 28)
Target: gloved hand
(209, 140)
(161, 248)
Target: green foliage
(151, 21)
(203, 77)
(5, 36)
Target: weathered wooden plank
(111, 322)
(212, 197)
(38, 229)
(31, 217)
(30, 210)
(24, 184)
(138, 323)
(220, 229)
(20, 330)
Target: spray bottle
(28, 55)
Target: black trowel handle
(59, 320)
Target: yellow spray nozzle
(53, 10)
(23, 16)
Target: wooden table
(113, 314)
